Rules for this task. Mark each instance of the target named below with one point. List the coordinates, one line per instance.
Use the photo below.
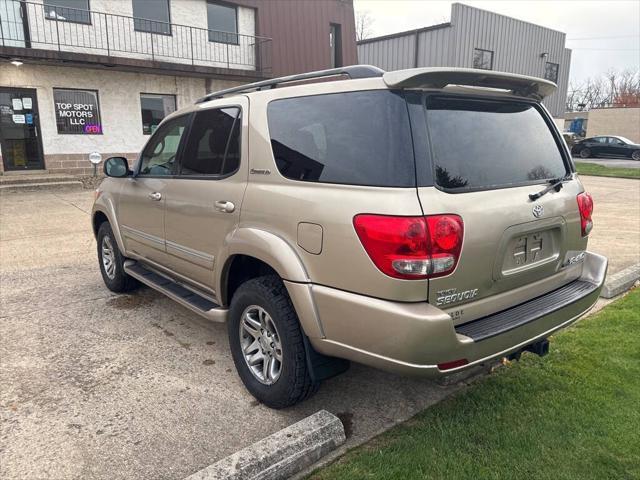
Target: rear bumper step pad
(498, 323)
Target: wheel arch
(103, 211)
(253, 252)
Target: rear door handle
(155, 196)
(224, 206)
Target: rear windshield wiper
(554, 184)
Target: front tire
(267, 343)
(585, 153)
(636, 155)
(112, 262)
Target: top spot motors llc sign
(77, 111)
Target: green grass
(574, 414)
(602, 171)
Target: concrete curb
(282, 454)
(620, 282)
(44, 186)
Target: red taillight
(411, 247)
(585, 205)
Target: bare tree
(364, 25)
(614, 89)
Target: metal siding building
(517, 47)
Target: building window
(77, 111)
(152, 16)
(551, 72)
(68, 10)
(223, 23)
(335, 44)
(482, 59)
(154, 108)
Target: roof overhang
(520, 85)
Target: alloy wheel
(260, 343)
(108, 257)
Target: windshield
(482, 144)
(625, 140)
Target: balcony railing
(40, 26)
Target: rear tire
(585, 153)
(264, 329)
(112, 262)
(636, 155)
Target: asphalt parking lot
(94, 385)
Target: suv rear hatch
(484, 156)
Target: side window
(213, 146)
(354, 138)
(159, 156)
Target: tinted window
(479, 144)
(213, 147)
(68, 10)
(154, 108)
(357, 138)
(159, 156)
(223, 24)
(151, 16)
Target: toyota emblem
(538, 211)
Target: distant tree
(364, 25)
(614, 89)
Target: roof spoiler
(521, 85)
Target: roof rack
(353, 72)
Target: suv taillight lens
(585, 205)
(411, 247)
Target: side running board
(187, 298)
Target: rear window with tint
(356, 138)
(478, 144)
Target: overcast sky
(602, 34)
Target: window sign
(77, 111)
(18, 118)
(26, 103)
(16, 103)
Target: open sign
(93, 129)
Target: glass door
(20, 142)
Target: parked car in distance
(570, 138)
(349, 220)
(610, 145)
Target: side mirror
(116, 167)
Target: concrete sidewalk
(102, 386)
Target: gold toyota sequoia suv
(419, 221)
